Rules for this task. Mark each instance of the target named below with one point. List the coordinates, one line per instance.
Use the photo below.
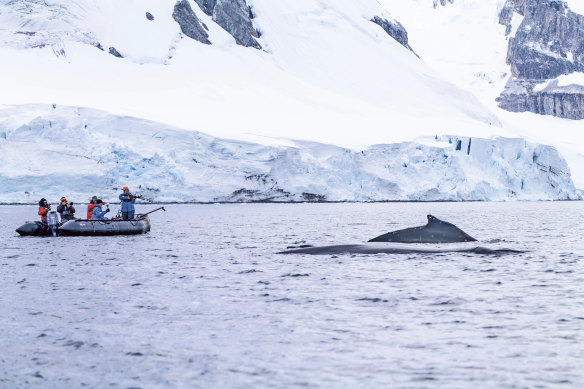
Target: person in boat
(90, 207)
(98, 213)
(66, 210)
(44, 208)
(128, 200)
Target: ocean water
(204, 301)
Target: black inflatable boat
(87, 228)
(105, 227)
(79, 227)
(34, 229)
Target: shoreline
(323, 202)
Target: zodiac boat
(87, 228)
(81, 227)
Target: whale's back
(436, 231)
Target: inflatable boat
(80, 227)
(87, 228)
(105, 227)
(34, 229)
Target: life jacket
(43, 213)
(90, 210)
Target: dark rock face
(442, 2)
(506, 15)
(114, 52)
(234, 16)
(548, 43)
(207, 6)
(547, 34)
(565, 102)
(394, 30)
(189, 23)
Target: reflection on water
(204, 301)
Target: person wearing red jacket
(90, 207)
(44, 208)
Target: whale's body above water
(436, 231)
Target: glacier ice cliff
(52, 151)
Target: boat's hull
(88, 228)
(34, 229)
(105, 227)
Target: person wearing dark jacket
(66, 210)
(98, 214)
(128, 201)
(44, 208)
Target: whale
(389, 248)
(436, 231)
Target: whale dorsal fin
(433, 219)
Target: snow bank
(81, 152)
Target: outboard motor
(53, 221)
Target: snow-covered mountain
(340, 72)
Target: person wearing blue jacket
(97, 213)
(128, 200)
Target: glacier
(52, 151)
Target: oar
(157, 209)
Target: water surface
(203, 301)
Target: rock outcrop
(189, 23)
(549, 43)
(561, 101)
(442, 2)
(235, 17)
(395, 30)
(115, 53)
(207, 6)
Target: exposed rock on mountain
(115, 53)
(442, 2)
(189, 22)
(207, 6)
(235, 17)
(562, 101)
(395, 30)
(506, 14)
(549, 43)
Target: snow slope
(80, 152)
(326, 74)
